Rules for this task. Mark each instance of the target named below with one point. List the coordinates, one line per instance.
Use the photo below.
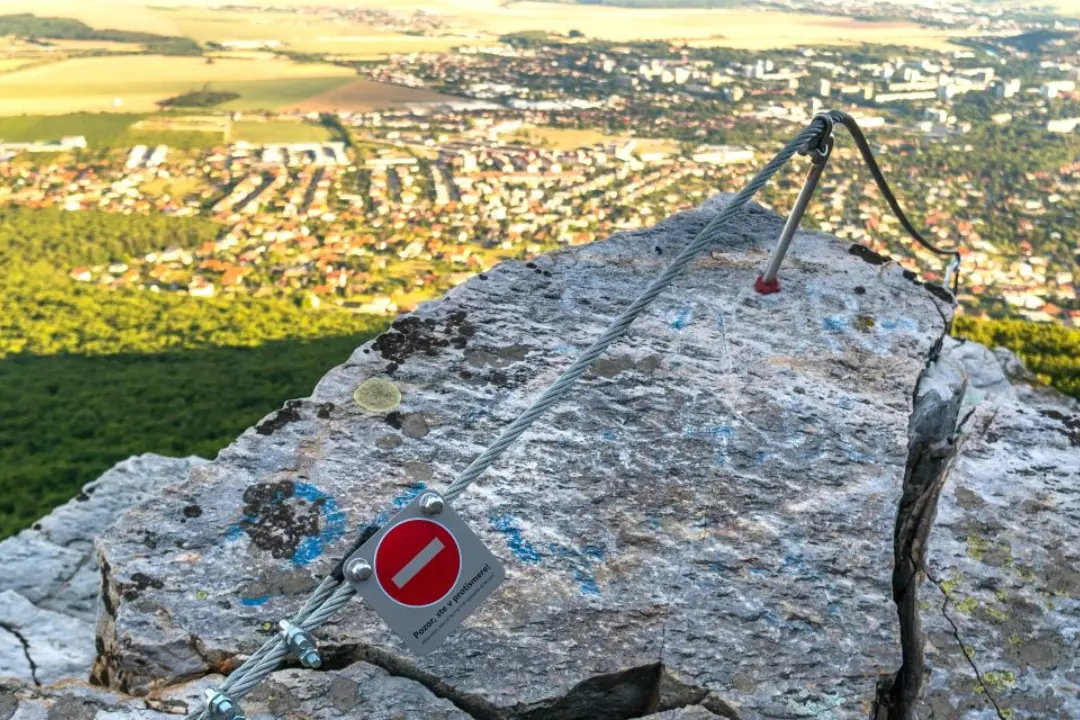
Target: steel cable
(333, 592)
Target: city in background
(193, 189)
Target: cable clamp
(221, 707)
(301, 644)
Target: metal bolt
(432, 504)
(301, 644)
(221, 706)
(358, 570)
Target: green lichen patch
(377, 395)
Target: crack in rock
(26, 649)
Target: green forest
(51, 28)
(1052, 352)
(91, 375)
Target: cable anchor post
(819, 153)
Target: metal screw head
(311, 659)
(221, 707)
(432, 504)
(358, 570)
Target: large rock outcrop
(50, 587)
(714, 503)
(702, 529)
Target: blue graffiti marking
(254, 602)
(682, 319)
(522, 548)
(586, 583)
(593, 551)
(310, 548)
(401, 500)
(899, 324)
(581, 562)
(837, 323)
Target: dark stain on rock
(280, 419)
(344, 694)
(274, 523)
(419, 470)
(70, 708)
(274, 582)
(1071, 425)
(82, 497)
(137, 584)
(278, 698)
(968, 499)
(192, 511)
(939, 292)
(410, 335)
(414, 425)
(499, 358)
(388, 442)
(394, 419)
(867, 255)
(610, 367)
(860, 290)
(324, 410)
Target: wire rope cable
(333, 592)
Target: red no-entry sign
(417, 562)
(424, 572)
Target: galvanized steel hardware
(301, 644)
(358, 570)
(432, 503)
(767, 282)
(222, 707)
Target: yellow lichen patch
(998, 615)
(377, 395)
(999, 679)
(947, 586)
(1015, 640)
(967, 605)
(976, 547)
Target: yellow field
(98, 13)
(138, 83)
(744, 29)
(370, 47)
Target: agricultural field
(117, 83)
(99, 129)
(473, 21)
(271, 131)
(360, 95)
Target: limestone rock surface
(706, 520)
(358, 691)
(1005, 558)
(49, 590)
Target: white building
(722, 155)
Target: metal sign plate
(428, 573)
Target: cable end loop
(764, 287)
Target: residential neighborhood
(557, 142)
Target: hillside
(93, 375)
(732, 515)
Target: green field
(279, 132)
(99, 129)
